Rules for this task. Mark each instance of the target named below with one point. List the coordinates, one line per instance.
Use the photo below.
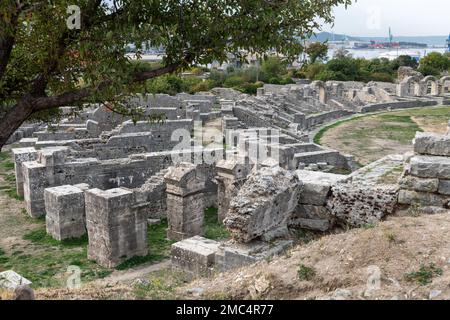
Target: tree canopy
(44, 64)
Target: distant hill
(324, 36)
(429, 40)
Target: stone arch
(430, 86)
(444, 83)
(410, 86)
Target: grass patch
(3, 258)
(41, 237)
(12, 193)
(213, 229)
(4, 156)
(306, 273)
(7, 165)
(318, 137)
(159, 247)
(425, 274)
(46, 263)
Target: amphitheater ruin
(101, 174)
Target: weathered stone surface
(419, 184)
(264, 203)
(432, 144)
(11, 280)
(231, 175)
(321, 225)
(185, 187)
(444, 187)
(236, 255)
(65, 216)
(430, 167)
(422, 198)
(22, 155)
(116, 231)
(312, 217)
(357, 205)
(316, 186)
(195, 255)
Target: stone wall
(426, 181)
(397, 105)
(54, 168)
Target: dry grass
(398, 247)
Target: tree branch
(7, 38)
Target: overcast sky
(406, 17)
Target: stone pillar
(38, 175)
(116, 231)
(185, 201)
(231, 175)
(300, 118)
(22, 155)
(65, 218)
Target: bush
(382, 77)
(233, 81)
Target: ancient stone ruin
(102, 175)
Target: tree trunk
(13, 120)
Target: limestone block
(22, 155)
(358, 204)
(116, 231)
(312, 217)
(430, 167)
(35, 180)
(65, 218)
(184, 179)
(185, 215)
(264, 203)
(316, 186)
(233, 255)
(11, 280)
(195, 255)
(432, 144)
(321, 225)
(422, 198)
(444, 187)
(419, 184)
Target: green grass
(44, 261)
(425, 274)
(41, 237)
(399, 133)
(3, 258)
(318, 137)
(213, 229)
(306, 273)
(158, 244)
